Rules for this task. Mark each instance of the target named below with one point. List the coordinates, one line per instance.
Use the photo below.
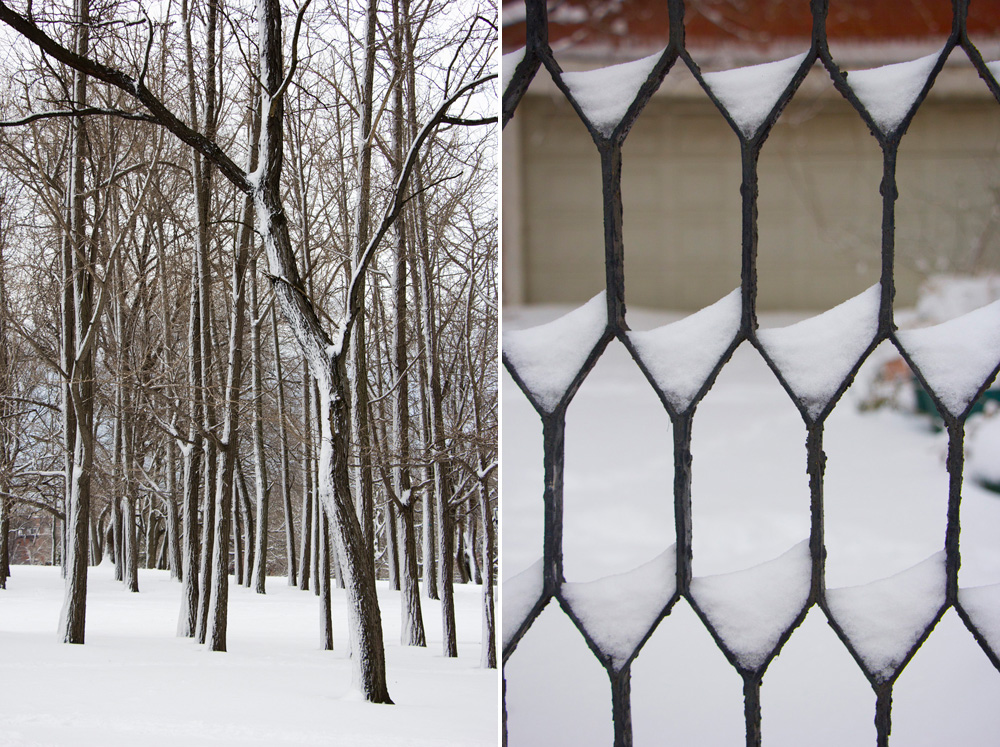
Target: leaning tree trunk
(326, 361)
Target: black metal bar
(889, 194)
(816, 466)
(621, 706)
(503, 680)
(956, 460)
(751, 709)
(682, 499)
(883, 714)
(553, 439)
(614, 249)
(748, 274)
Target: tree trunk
(205, 573)
(228, 443)
(170, 510)
(236, 522)
(249, 526)
(461, 559)
(391, 544)
(326, 361)
(202, 170)
(187, 623)
(360, 435)
(286, 488)
(323, 581)
(4, 537)
(260, 467)
(131, 575)
(412, 630)
(79, 404)
(412, 621)
(305, 559)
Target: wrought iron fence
(524, 359)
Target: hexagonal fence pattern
(882, 624)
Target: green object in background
(926, 406)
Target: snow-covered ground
(886, 495)
(135, 683)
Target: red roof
(643, 23)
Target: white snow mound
(750, 93)
(994, 68)
(885, 618)
(983, 605)
(508, 64)
(605, 94)
(520, 595)
(548, 357)
(889, 92)
(956, 357)
(816, 355)
(617, 611)
(982, 447)
(751, 609)
(681, 356)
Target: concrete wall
(819, 206)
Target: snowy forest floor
(886, 497)
(135, 683)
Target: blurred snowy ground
(886, 497)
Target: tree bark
(260, 466)
(412, 622)
(4, 537)
(286, 488)
(187, 623)
(323, 581)
(305, 559)
(228, 443)
(79, 405)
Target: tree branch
(468, 122)
(276, 98)
(159, 113)
(89, 111)
(354, 295)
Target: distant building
(31, 540)
(820, 210)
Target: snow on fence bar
(882, 624)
